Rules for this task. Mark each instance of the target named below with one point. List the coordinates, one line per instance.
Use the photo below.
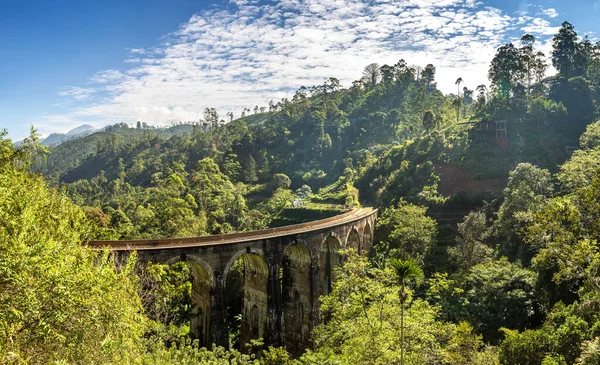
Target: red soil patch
(454, 179)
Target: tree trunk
(457, 113)
(402, 326)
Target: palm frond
(406, 269)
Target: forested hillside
(390, 135)
(486, 247)
(136, 178)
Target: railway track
(224, 239)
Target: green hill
(72, 153)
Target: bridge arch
(202, 299)
(329, 257)
(353, 240)
(246, 280)
(297, 298)
(236, 256)
(367, 238)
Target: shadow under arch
(297, 298)
(367, 239)
(246, 279)
(329, 257)
(353, 241)
(202, 299)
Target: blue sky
(66, 63)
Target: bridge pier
(275, 311)
(219, 312)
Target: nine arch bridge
(281, 273)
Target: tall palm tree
(482, 90)
(406, 272)
(457, 83)
(457, 103)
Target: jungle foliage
(458, 275)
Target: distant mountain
(73, 153)
(56, 139)
(86, 128)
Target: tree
(481, 97)
(506, 71)
(211, 117)
(543, 112)
(407, 230)
(372, 73)
(457, 103)
(304, 192)
(590, 353)
(428, 120)
(406, 271)
(467, 96)
(568, 56)
(250, 170)
(167, 210)
(217, 198)
(428, 74)
(60, 302)
(186, 351)
(464, 348)
(232, 167)
(402, 73)
(457, 83)
(281, 181)
(576, 96)
(528, 188)
(499, 294)
(262, 165)
(534, 65)
(273, 208)
(470, 248)
(527, 347)
(387, 73)
(591, 138)
(363, 322)
(579, 170)
(166, 293)
(416, 71)
(564, 235)
(230, 115)
(563, 338)
(593, 71)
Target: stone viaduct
(281, 274)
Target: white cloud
(76, 93)
(107, 76)
(140, 51)
(550, 12)
(247, 53)
(539, 26)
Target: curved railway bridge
(279, 280)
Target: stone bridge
(277, 275)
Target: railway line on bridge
(229, 238)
